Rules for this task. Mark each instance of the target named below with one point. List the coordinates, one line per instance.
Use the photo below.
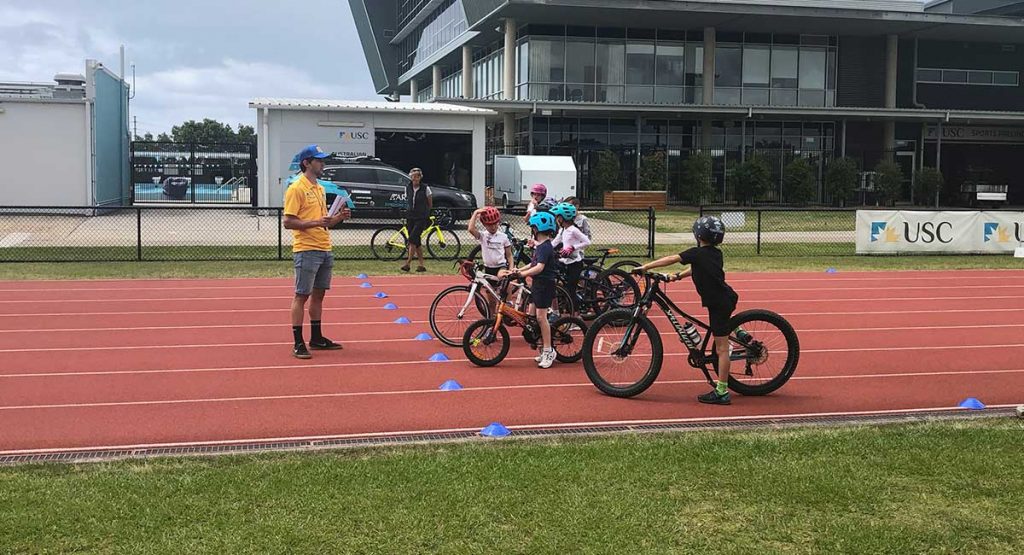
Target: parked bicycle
(454, 308)
(486, 341)
(623, 352)
(390, 242)
(599, 290)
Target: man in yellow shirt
(305, 213)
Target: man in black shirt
(708, 273)
(417, 217)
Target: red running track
(147, 363)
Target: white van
(514, 174)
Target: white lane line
(370, 435)
(188, 346)
(433, 391)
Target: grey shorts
(312, 271)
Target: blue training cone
(403, 320)
(450, 385)
(366, 285)
(381, 295)
(362, 276)
(495, 429)
(438, 357)
(423, 337)
(972, 403)
(831, 271)
(390, 306)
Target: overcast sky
(193, 58)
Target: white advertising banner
(907, 231)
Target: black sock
(315, 334)
(297, 332)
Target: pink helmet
(539, 188)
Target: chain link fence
(197, 233)
(787, 231)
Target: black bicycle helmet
(709, 229)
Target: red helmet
(539, 189)
(490, 216)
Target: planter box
(636, 199)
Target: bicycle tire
(621, 285)
(748, 319)
(480, 331)
(563, 337)
(381, 245)
(450, 250)
(621, 317)
(452, 335)
(625, 265)
(474, 253)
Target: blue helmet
(543, 222)
(565, 210)
(709, 229)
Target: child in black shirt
(544, 269)
(706, 268)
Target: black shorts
(718, 319)
(415, 227)
(543, 292)
(493, 271)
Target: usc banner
(907, 231)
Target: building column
(436, 85)
(709, 83)
(891, 64)
(414, 89)
(467, 71)
(509, 59)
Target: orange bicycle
(486, 342)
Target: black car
(374, 184)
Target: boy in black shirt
(706, 268)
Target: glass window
(727, 95)
(669, 95)
(694, 65)
(609, 93)
(523, 58)
(361, 175)
(811, 97)
(579, 61)
(728, 62)
(755, 97)
(954, 76)
(756, 60)
(611, 62)
(640, 63)
(671, 64)
(640, 93)
(784, 68)
(783, 97)
(1005, 78)
(979, 77)
(391, 177)
(575, 92)
(547, 60)
(812, 69)
(929, 75)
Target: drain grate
(435, 437)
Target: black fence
(193, 173)
(787, 231)
(196, 233)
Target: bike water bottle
(691, 337)
(743, 336)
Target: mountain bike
(599, 289)
(460, 305)
(486, 342)
(623, 352)
(391, 242)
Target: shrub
(799, 183)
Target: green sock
(722, 388)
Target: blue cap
(311, 151)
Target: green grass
(681, 220)
(933, 488)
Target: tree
(653, 169)
(927, 184)
(752, 178)
(799, 182)
(212, 131)
(246, 133)
(888, 182)
(841, 179)
(164, 138)
(697, 188)
(146, 137)
(607, 172)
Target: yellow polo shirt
(307, 201)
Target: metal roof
(366, 106)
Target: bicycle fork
(469, 299)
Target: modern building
(643, 85)
(65, 143)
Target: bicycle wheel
(610, 370)
(474, 254)
(452, 311)
(770, 360)
(445, 247)
(567, 335)
(616, 289)
(483, 345)
(384, 243)
(625, 265)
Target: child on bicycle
(495, 246)
(708, 273)
(569, 243)
(581, 221)
(544, 269)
